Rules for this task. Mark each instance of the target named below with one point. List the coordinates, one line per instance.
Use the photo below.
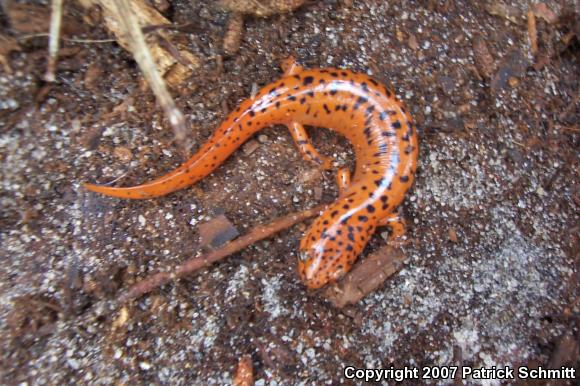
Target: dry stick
(144, 59)
(260, 232)
(53, 40)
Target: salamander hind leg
(397, 226)
(305, 147)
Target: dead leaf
(234, 33)
(366, 277)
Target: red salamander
(358, 107)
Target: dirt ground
(491, 276)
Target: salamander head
(325, 256)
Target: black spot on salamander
(310, 94)
(367, 132)
(409, 149)
(315, 114)
(235, 119)
(370, 208)
(388, 92)
(396, 125)
(369, 110)
(272, 90)
(302, 142)
(308, 110)
(307, 80)
(346, 206)
(252, 113)
(383, 147)
(384, 198)
(344, 220)
(374, 82)
(337, 107)
(338, 232)
(388, 133)
(404, 178)
(264, 109)
(365, 87)
(344, 107)
(277, 104)
(297, 76)
(343, 73)
(333, 91)
(363, 218)
(334, 213)
(350, 237)
(321, 81)
(349, 248)
(383, 115)
(302, 100)
(326, 108)
(334, 74)
(361, 100)
(325, 222)
(403, 110)
(379, 182)
(364, 187)
(238, 109)
(331, 239)
(291, 97)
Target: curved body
(354, 105)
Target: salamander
(354, 105)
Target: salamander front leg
(342, 180)
(398, 228)
(305, 147)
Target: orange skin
(358, 107)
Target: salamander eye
(303, 256)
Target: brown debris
(7, 45)
(513, 66)
(245, 373)
(216, 232)
(262, 8)
(484, 62)
(541, 10)
(532, 32)
(452, 234)
(566, 352)
(167, 64)
(28, 18)
(250, 147)
(234, 33)
(123, 154)
(366, 277)
(503, 10)
(192, 265)
(413, 44)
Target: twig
(53, 40)
(73, 40)
(143, 57)
(260, 232)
